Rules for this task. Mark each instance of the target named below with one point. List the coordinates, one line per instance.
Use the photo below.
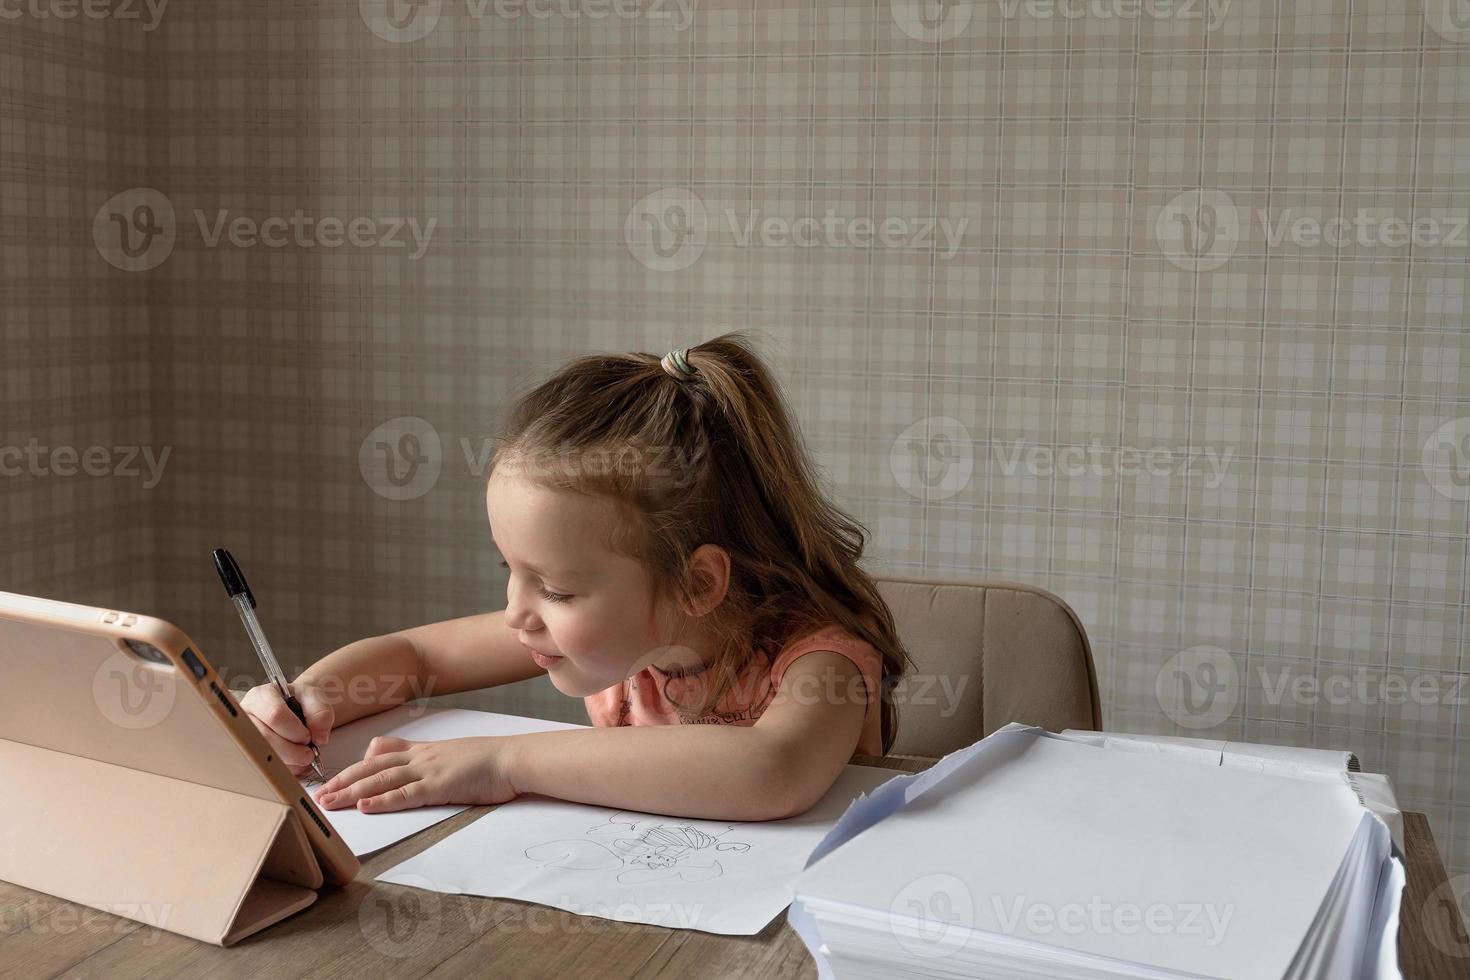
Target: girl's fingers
(403, 797)
(293, 755)
(386, 743)
(267, 706)
(319, 714)
(362, 770)
(376, 783)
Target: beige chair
(987, 653)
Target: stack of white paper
(1028, 855)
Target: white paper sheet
(369, 832)
(713, 876)
(1375, 790)
(1026, 846)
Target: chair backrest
(987, 653)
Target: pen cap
(231, 576)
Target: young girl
(673, 563)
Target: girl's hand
(285, 734)
(397, 774)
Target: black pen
(244, 599)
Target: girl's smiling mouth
(543, 660)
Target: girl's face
(588, 610)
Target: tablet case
(141, 846)
(173, 826)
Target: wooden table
(370, 929)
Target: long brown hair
(713, 458)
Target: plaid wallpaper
(79, 469)
(1160, 306)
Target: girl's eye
(548, 596)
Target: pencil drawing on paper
(642, 850)
(308, 779)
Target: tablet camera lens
(147, 651)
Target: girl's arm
(380, 672)
(778, 767)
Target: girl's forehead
(516, 506)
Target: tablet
(131, 690)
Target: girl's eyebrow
(571, 575)
(566, 576)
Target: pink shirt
(641, 700)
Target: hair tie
(676, 364)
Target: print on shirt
(643, 850)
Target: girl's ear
(709, 577)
